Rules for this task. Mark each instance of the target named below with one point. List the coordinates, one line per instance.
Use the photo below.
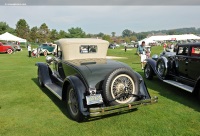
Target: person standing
(164, 47)
(29, 50)
(141, 53)
(125, 47)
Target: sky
(106, 19)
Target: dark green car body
(91, 79)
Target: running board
(55, 89)
(180, 85)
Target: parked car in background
(6, 48)
(46, 48)
(90, 84)
(112, 46)
(180, 68)
(15, 46)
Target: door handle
(186, 62)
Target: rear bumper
(94, 112)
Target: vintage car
(180, 68)
(43, 49)
(6, 48)
(90, 84)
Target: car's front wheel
(9, 51)
(73, 105)
(120, 87)
(148, 71)
(161, 68)
(40, 79)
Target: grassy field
(26, 109)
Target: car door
(182, 60)
(194, 63)
(58, 66)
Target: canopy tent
(153, 39)
(9, 37)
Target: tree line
(44, 34)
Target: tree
(54, 35)
(171, 32)
(113, 34)
(126, 33)
(44, 33)
(34, 34)
(133, 38)
(76, 33)
(100, 34)
(62, 34)
(127, 39)
(107, 38)
(4, 27)
(22, 29)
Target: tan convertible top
(71, 48)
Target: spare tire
(120, 86)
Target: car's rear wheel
(45, 53)
(148, 71)
(40, 79)
(120, 86)
(73, 105)
(161, 68)
(9, 51)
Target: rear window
(85, 49)
(195, 51)
(182, 50)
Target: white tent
(9, 37)
(170, 37)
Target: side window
(182, 50)
(195, 51)
(85, 49)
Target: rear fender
(45, 72)
(152, 63)
(143, 89)
(80, 89)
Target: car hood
(94, 72)
(168, 54)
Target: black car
(112, 46)
(91, 84)
(180, 68)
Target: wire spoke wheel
(147, 71)
(40, 79)
(9, 51)
(121, 88)
(161, 68)
(73, 103)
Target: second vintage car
(180, 68)
(91, 85)
(6, 48)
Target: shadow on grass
(173, 93)
(63, 108)
(60, 104)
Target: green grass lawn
(26, 109)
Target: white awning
(9, 37)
